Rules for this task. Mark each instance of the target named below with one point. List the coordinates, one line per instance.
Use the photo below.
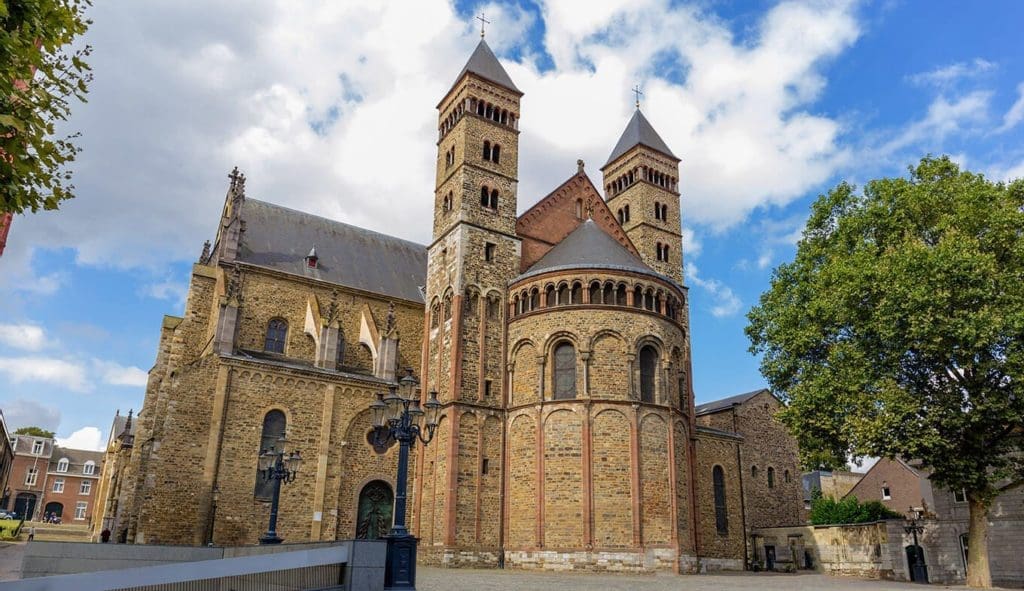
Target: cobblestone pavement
(437, 579)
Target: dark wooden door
(376, 504)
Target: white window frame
(80, 508)
(957, 495)
(58, 485)
(886, 493)
(31, 476)
(89, 468)
(62, 465)
(37, 448)
(85, 488)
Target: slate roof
(717, 405)
(76, 460)
(588, 247)
(639, 131)
(485, 64)
(278, 238)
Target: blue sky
(329, 109)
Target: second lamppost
(398, 416)
(280, 467)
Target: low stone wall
(626, 561)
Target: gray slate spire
(483, 63)
(639, 131)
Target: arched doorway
(54, 507)
(25, 505)
(376, 504)
(916, 565)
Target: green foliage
(40, 76)
(898, 330)
(10, 528)
(828, 511)
(34, 431)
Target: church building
(557, 341)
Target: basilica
(557, 341)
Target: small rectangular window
(960, 496)
(489, 249)
(488, 384)
(483, 466)
(886, 494)
(86, 488)
(58, 485)
(30, 477)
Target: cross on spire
(483, 21)
(638, 93)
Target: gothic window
(496, 154)
(448, 307)
(648, 372)
(493, 204)
(565, 372)
(435, 313)
(771, 477)
(721, 511)
(487, 150)
(277, 331)
(274, 423)
(577, 294)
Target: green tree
(34, 431)
(829, 511)
(898, 330)
(41, 75)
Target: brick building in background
(49, 479)
(557, 340)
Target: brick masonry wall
(711, 451)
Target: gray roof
(639, 131)
(588, 247)
(717, 405)
(76, 459)
(483, 63)
(278, 238)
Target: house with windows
(72, 479)
(27, 484)
(557, 340)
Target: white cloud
(947, 75)
(691, 244)
(59, 372)
(119, 375)
(85, 438)
(323, 105)
(21, 412)
(1016, 113)
(22, 336)
(944, 117)
(726, 303)
(765, 259)
(167, 289)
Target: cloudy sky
(328, 107)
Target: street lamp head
(395, 404)
(408, 383)
(267, 459)
(293, 462)
(432, 408)
(416, 413)
(378, 409)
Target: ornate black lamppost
(280, 467)
(919, 570)
(398, 416)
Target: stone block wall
(718, 450)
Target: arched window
(626, 211)
(638, 297)
(579, 209)
(563, 294)
(277, 332)
(549, 296)
(664, 253)
(472, 301)
(435, 313)
(494, 199)
(564, 372)
(648, 372)
(721, 511)
(621, 219)
(620, 295)
(595, 293)
(657, 248)
(62, 465)
(609, 293)
(485, 196)
(785, 476)
(649, 300)
(657, 210)
(771, 477)
(753, 471)
(496, 154)
(89, 468)
(664, 213)
(535, 299)
(274, 423)
(487, 150)
(448, 307)
(492, 308)
(577, 293)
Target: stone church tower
(472, 257)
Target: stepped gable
(589, 247)
(554, 217)
(639, 131)
(279, 238)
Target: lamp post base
(400, 570)
(270, 539)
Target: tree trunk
(978, 572)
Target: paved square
(437, 579)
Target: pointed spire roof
(639, 131)
(589, 247)
(485, 64)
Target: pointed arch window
(274, 423)
(648, 372)
(721, 510)
(564, 373)
(277, 334)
